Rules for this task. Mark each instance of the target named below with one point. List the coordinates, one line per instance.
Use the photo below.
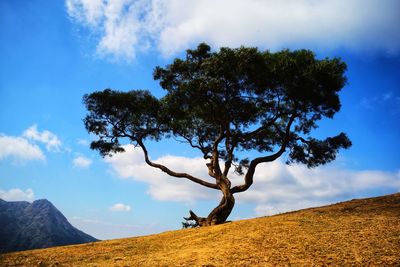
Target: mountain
(39, 224)
(361, 232)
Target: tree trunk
(219, 214)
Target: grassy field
(363, 232)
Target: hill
(39, 224)
(355, 233)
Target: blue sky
(53, 52)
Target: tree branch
(270, 122)
(230, 147)
(198, 146)
(215, 156)
(172, 173)
(248, 179)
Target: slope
(359, 233)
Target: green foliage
(114, 115)
(232, 100)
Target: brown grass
(362, 232)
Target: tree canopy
(224, 104)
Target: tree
(226, 104)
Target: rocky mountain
(39, 224)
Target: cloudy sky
(53, 52)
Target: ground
(355, 233)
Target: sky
(54, 52)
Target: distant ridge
(39, 224)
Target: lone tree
(224, 104)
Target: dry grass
(362, 232)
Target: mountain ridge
(25, 225)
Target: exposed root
(198, 221)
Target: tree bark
(220, 213)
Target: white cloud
(125, 27)
(387, 96)
(382, 103)
(296, 187)
(48, 138)
(82, 162)
(23, 148)
(130, 164)
(19, 149)
(16, 194)
(83, 142)
(118, 23)
(277, 187)
(120, 207)
(87, 11)
(265, 209)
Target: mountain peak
(39, 224)
(42, 200)
(43, 203)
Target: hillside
(39, 224)
(358, 232)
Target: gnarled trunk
(219, 214)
